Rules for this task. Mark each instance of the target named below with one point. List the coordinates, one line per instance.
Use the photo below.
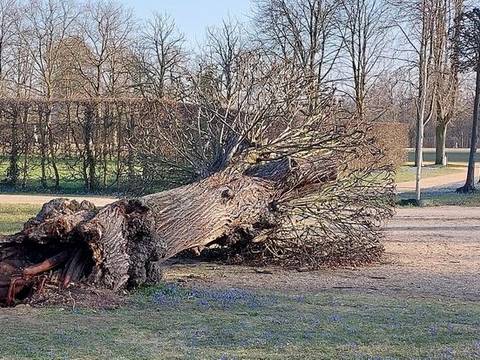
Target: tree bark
(51, 148)
(125, 243)
(89, 161)
(440, 137)
(470, 180)
(13, 168)
(42, 129)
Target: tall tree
(225, 46)
(48, 23)
(9, 16)
(469, 60)
(416, 21)
(107, 29)
(446, 70)
(364, 26)
(160, 57)
(302, 33)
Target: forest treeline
(93, 95)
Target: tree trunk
(470, 181)
(43, 148)
(13, 168)
(125, 243)
(419, 157)
(51, 148)
(311, 197)
(89, 160)
(440, 137)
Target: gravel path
(42, 199)
(430, 252)
(435, 181)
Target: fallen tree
(276, 179)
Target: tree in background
(160, 58)
(303, 34)
(224, 52)
(468, 44)
(416, 21)
(95, 51)
(446, 71)
(364, 26)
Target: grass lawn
(172, 322)
(71, 180)
(70, 176)
(445, 198)
(406, 172)
(12, 217)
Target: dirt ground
(430, 252)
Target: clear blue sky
(193, 16)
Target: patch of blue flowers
(204, 298)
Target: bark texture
(125, 243)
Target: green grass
(446, 198)
(69, 170)
(407, 172)
(12, 217)
(170, 323)
(71, 180)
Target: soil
(430, 252)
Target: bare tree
(469, 58)
(416, 21)
(446, 69)
(8, 19)
(364, 26)
(301, 33)
(47, 25)
(160, 57)
(225, 46)
(106, 29)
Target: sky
(193, 16)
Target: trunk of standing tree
(419, 157)
(51, 148)
(440, 137)
(470, 181)
(43, 148)
(421, 105)
(89, 160)
(13, 168)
